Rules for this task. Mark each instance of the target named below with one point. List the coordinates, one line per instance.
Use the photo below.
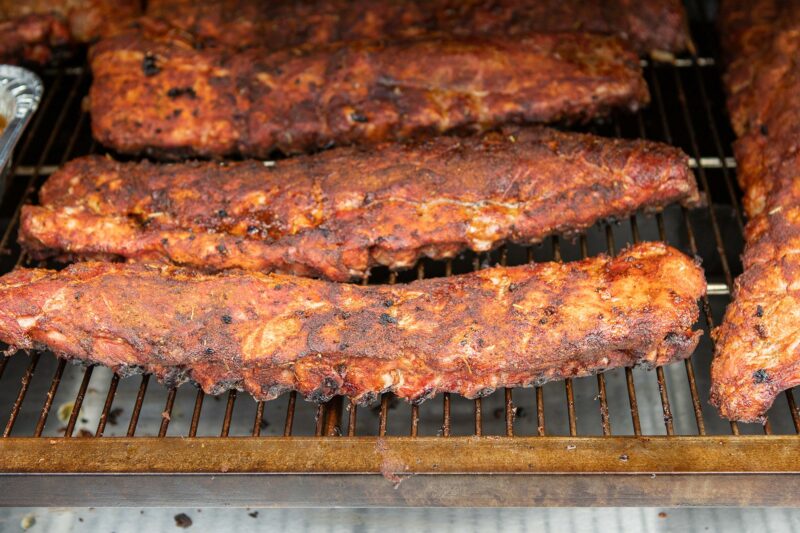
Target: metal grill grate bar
(259, 419)
(137, 407)
(166, 415)
(112, 391)
(198, 406)
(76, 406)
(226, 422)
(287, 428)
(48, 402)
(23, 389)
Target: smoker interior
(41, 396)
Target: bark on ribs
(655, 25)
(340, 212)
(156, 93)
(267, 334)
(30, 30)
(757, 353)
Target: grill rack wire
(78, 409)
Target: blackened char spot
(318, 396)
(760, 376)
(759, 311)
(368, 398)
(174, 377)
(386, 319)
(176, 92)
(355, 116)
(149, 66)
(324, 393)
(426, 394)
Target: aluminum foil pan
(20, 92)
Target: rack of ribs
(653, 26)
(270, 333)
(30, 30)
(157, 93)
(758, 344)
(340, 212)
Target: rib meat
(338, 213)
(31, 38)
(158, 94)
(31, 29)
(758, 343)
(656, 25)
(267, 334)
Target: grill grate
(687, 111)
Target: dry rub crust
(758, 343)
(31, 29)
(267, 334)
(655, 25)
(31, 38)
(338, 213)
(156, 93)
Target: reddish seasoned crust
(87, 20)
(31, 29)
(267, 334)
(649, 26)
(31, 38)
(156, 93)
(757, 354)
(338, 213)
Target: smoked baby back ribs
(267, 334)
(758, 344)
(337, 213)
(658, 25)
(31, 29)
(158, 94)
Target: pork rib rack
(758, 344)
(269, 333)
(158, 94)
(652, 26)
(338, 213)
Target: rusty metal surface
(402, 471)
(395, 458)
